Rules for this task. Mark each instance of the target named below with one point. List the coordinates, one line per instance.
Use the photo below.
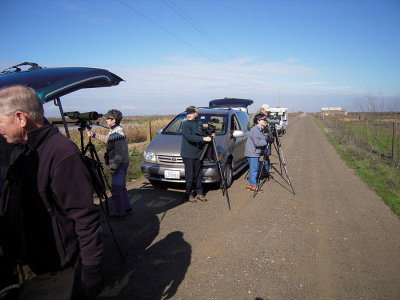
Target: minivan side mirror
(159, 130)
(237, 133)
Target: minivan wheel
(228, 173)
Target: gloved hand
(207, 139)
(92, 279)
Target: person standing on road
(117, 158)
(257, 142)
(48, 218)
(191, 148)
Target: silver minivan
(162, 160)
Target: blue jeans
(119, 192)
(254, 165)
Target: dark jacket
(192, 142)
(50, 218)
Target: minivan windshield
(220, 122)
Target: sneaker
(192, 199)
(250, 188)
(201, 198)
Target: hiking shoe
(201, 198)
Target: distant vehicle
(281, 114)
(162, 160)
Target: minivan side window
(234, 123)
(175, 127)
(243, 119)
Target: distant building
(333, 111)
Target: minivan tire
(228, 173)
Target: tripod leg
(286, 172)
(111, 229)
(258, 179)
(222, 176)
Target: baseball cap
(265, 107)
(262, 117)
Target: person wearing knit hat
(191, 148)
(117, 158)
(256, 145)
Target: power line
(197, 27)
(164, 29)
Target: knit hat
(114, 114)
(191, 109)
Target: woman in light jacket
(257, 142)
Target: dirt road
(333, 239)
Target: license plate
(172, 174)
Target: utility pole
(279, 97)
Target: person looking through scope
(257, 144)
(191, 149)
(117, 158)
(47, 216)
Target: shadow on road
(147, 272)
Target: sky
(300, 54)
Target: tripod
(97, 175)
(223, 184)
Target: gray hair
(21, 98)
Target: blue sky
(172, 53)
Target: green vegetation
(134, 171)
(367, 148)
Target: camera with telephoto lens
(87, 116)
(206, 129)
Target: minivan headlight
(149, 156)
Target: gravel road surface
(333, 239)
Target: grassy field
(371, 147)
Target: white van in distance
(281, 114)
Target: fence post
(394, 141)
(149, 132)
